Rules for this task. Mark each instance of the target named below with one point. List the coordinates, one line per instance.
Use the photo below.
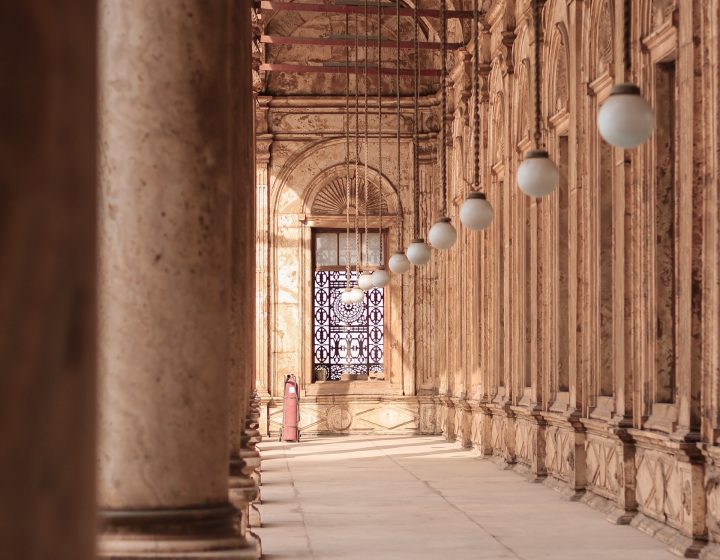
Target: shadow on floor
(376, 448)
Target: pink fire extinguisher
(291, 411)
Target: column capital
(263, 143)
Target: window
(348, 340)
(331, 249)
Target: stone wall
(300, 153)
(577, 339)
(581, 330)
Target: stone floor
(423, 498)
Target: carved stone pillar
(263, 143)
(47, 283)
(251, 456)
(243, 489)
(165, 241)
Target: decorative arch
(601, 39)
(326, 194)
(558, 83)
(496, 136)
(522, 98)
(304, 163)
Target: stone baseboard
(613, 513)
(562, 488)
(710, 552)
(683, 546)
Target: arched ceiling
(327, 25)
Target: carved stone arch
(497, 120)
(522, 96)
(602, 39)
(557, 94)
(524, 102)
(496, 140)
(326, 194)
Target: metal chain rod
(443, 108)
(476, 97)
(380, 127)
(357, 149)
(536, 22)
(366, 133)
(346, 121)
(627, 38)
(397, 83)
(416, 130)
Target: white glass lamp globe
(365, 281)
(346, 296)
(442, 234)
(476, 213)
(399, 263)
(356, 295)
(537, 175)
(625, 120)
(380, 278)
(418, 252)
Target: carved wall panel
(605, 468)
(559, 452)
(353, 415)
(530, 444)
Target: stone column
(47, 279)
(243, 488)
(263, 143)
(164, 285)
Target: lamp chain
(357, 147)
(416, 128)
(397, 93)
(365, 213)
(476, 97)
(380, 140)
(346, 122)
(536, 24)
(627, 37)
(443, 106)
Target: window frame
(326, 268)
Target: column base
(254, 518)
(682, 545)
(183, 533)
(242, 489)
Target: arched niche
(308, 192)
(326, 195)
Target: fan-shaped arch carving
(602, 49)
(331, 199)
(558, 85)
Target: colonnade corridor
(475, 241)
(421, 497)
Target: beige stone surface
(421, 497)
(576, 339)
(164, 240)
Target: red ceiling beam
(272, 5)
(350, 42)
(303, 69)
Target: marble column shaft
(47, 279)
(242, 309)
(165, 241)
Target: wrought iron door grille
(347, 338)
